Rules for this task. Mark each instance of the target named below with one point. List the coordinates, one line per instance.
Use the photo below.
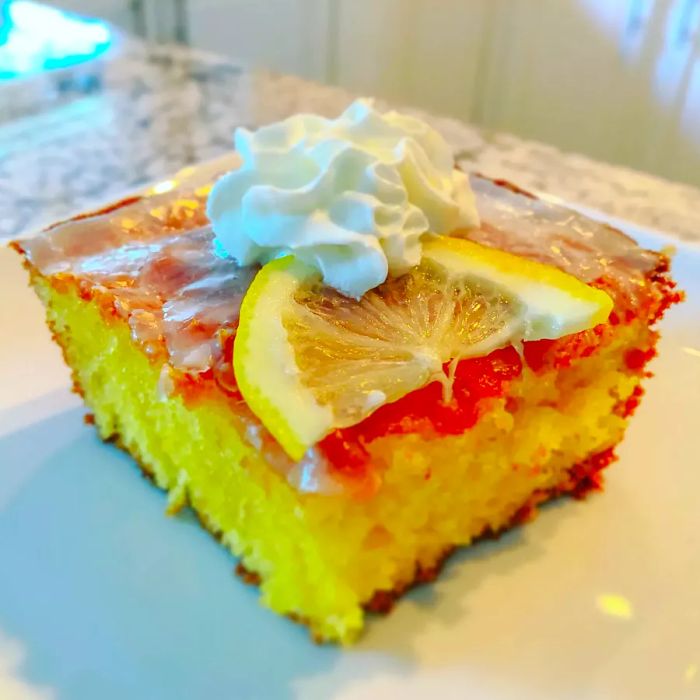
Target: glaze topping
(157, 261)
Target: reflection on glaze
(163, 187)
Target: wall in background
(122, 13)
(607, 78)
(415, 52)
(618, 80)
(285, 35)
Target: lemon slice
(309, 360)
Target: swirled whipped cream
(352, 196)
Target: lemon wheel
(309, 360)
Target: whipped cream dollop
(352, 196)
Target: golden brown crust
(250, 578)
(106, 209)
(508, 185)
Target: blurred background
(618, 80)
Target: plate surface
(102, 596)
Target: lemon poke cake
(347, 356)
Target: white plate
(102, 597)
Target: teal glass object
(35, 38)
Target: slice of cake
(344, 418)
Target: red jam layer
(424, 411)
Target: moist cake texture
(145, 307)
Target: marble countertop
(72, 140)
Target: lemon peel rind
(261, 317)
(557, 303)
